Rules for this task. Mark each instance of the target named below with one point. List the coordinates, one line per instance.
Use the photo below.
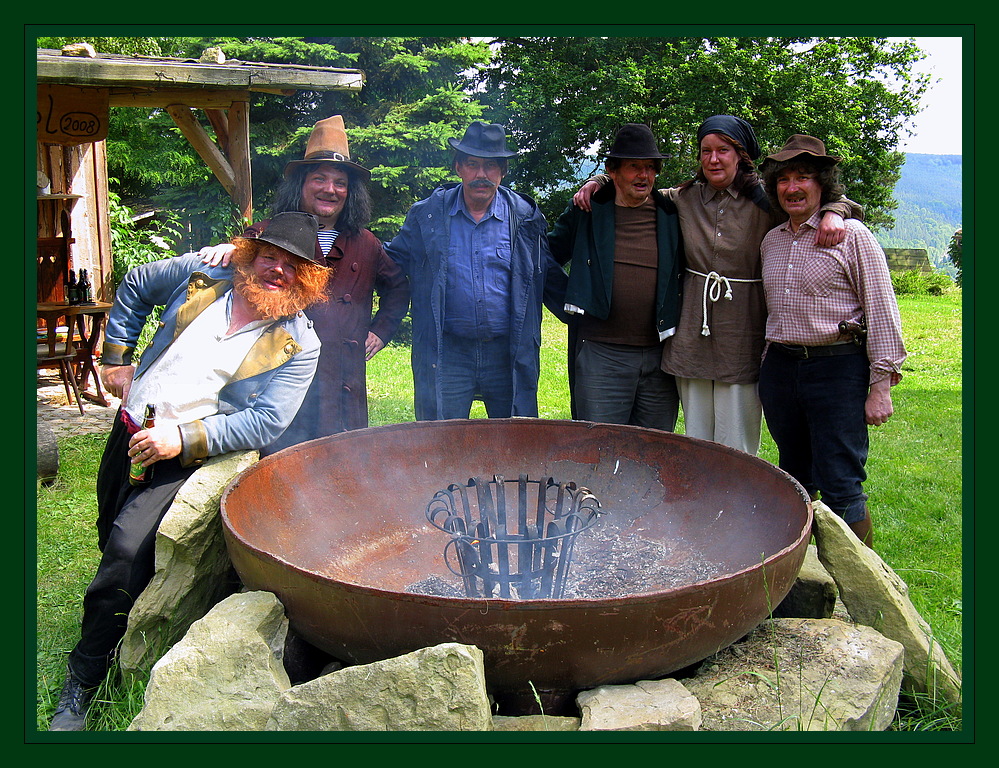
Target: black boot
(74, 701)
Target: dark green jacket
(585, 241)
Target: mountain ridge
(929, 195)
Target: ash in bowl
(609, 568)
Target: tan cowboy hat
(328, 144)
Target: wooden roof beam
(107, 71)
(204, 146)
(161, 98)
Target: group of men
(264, 341)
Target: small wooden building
(906, 259)
(77, 88)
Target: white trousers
(729, 414)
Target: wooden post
(239, 157)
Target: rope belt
(713, 283)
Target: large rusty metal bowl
(336, 528)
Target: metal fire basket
(513, 553)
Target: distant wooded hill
(929, 206)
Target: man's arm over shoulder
(845, 207)
(143, 288)
(563, 234)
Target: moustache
(484, 183)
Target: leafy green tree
(416, 97)
(559, 97)
(565, 95)
(132, 246)
(954, 253)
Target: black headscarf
(734, 127)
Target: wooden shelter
(77, 88)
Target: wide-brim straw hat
(328, 144)
(799, 145)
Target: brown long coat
(337, 401)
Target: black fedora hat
(483, 140)
(635, 141)
(294, 232)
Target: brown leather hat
(801, 144)
(328, 144)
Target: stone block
(875, 596)
(192, 567)
(648, 705)
(225, 674)
(442, 688)
(801, 675)
(813, 594)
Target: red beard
(270, 304)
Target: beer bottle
(72, 290)
(137, 474)
(84, 289)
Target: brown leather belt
(801, 352)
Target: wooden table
(88, 337)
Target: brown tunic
(632, 318)
(722, 232)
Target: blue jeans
(474, 369)
(622, 384)
(814, 409)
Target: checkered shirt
(810, 289)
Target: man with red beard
(227, 370)
(331, 186)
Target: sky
(939, 125)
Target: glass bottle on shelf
(84, 289)
(72, 289)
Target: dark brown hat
(635, 141)
(483, 140)
(328, 144)
(294, 232)
(800, 144)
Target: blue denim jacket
(421, 249)
(267, 388)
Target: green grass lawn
(915, 483)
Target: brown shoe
(864, 529)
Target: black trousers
(815, 412)
(128, 517)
